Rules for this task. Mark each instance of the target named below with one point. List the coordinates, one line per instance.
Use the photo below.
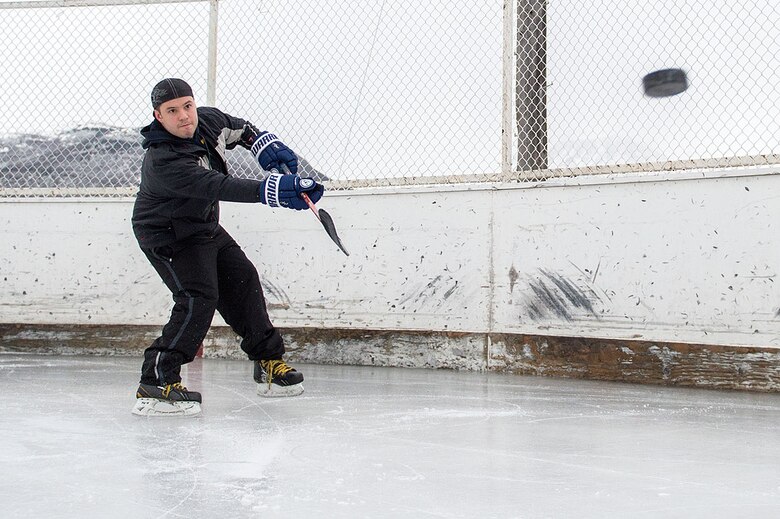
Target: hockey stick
(327, 222)
(321, 214)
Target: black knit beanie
(167, 89)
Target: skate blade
(274, 390)
(155, 407)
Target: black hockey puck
(665, 83)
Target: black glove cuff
(249, 134)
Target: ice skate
(170, 400)
(276, 378)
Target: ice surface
(379, 442)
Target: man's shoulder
(213, 123)
(216, 119)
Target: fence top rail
(33, 4)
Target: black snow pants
(207, 273)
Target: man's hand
(272, 153)
(285, 191)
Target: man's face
(179, 116)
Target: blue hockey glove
(272, 153)
(285, 191)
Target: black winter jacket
(183, 180)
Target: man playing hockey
(176, 222)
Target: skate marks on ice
(463, 450)
(380, 442)
(460, 444)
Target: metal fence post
(211, 79)
(508, 89)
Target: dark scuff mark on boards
(429, 295)
(449, 292)
(282, 299)
(555, 295)
(513, 275)
(426, 293)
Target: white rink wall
(676, 257)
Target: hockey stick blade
(327, 223)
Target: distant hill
(94, 157)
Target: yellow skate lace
(169, 387)
(275, 367)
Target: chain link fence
(392, 93)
